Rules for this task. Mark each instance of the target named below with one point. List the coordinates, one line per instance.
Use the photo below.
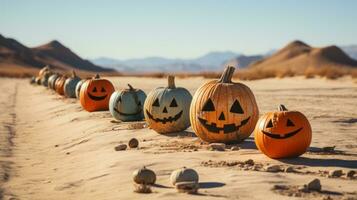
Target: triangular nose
(221, 116)
(165, 110)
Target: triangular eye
(94, 89)
(270, 124)
(103, 90)
(289, 123)
(208, 106)
(156, 103)
(173, 103)
(236, 108)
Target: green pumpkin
(127, 105)
(70, 85)
(144, 176)
(166, 109)
(184, 175)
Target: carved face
(167, 109)
(283, 134)
(127, 105)
(95, 94)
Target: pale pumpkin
(166, 109)
(127, 105)
(52, 79)
(184, 175)
(283, 133)
(144, 176)
(223, 111)
(95, 94)
(70, 85)
(78, 87)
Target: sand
(50, 148)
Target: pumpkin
(43, 70)
(95, 94)
(283, 134)
(223, 111)
(59, 85)
(78, 87)
(52, 79)
(45, 77)
(127, 105)
(167, 108)
(33, 80)
(184, 175)
(144, 176)
(70, 85)
(38, 80)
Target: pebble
(235, 148)
(133, 143)
(335, 173)
(350, 173)
(281, 187)
(249, 162)
(273, 168)
(121, 147)
(328, 149)
(314, 185)
(217, 146)
(290, 169)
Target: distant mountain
(351, 50)
(243, 61)
(298, 56)
(210, 62)
(17, 56)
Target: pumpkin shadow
(207, 185)
(246, 144)
(181, 134)
(321, 162)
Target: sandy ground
(50, 148)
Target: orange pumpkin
(95, 94)
(223, 111)
(59, 85)
(283, 134)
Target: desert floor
(50, 148)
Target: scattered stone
(68, 153)
(335, 173)
(273, 168)
(187, 187)
(290, 169)
(235, 148)
(142, 188)
(314, 185)
(249, 162)
(120, 147)
(217, 146)
(133, 143)
(350, 173)
(281, 187)
(56, 145)
(329, 149)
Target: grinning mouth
(95, 98)
(126, 114)
(227, 128)
(165, 120)
(282, 136)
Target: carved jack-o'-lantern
(127, 105)
(223, 111)
(167, 108)
(283, 133)
(95, 94)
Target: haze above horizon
(180, 29)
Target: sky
(177, 29)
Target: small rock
(133, 143)
(217, 146)
(273, 168)
(68, 153)
(314, 185)
(249, 162)
(328, 149)
(335, 173)
(281, 187)
(187, 187)
(120, 147)
(235, 148)
(290, 169)
(350, 173)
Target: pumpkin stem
(97, 76)
(282, 108)
(171, 81)
(227, 75)
(130, 87)
(74, 74)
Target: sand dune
(52, 149)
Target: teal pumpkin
(70, 86)
(166, 109)
(78, 87)
(52, 80)
(127, 105)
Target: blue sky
(178, 29)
